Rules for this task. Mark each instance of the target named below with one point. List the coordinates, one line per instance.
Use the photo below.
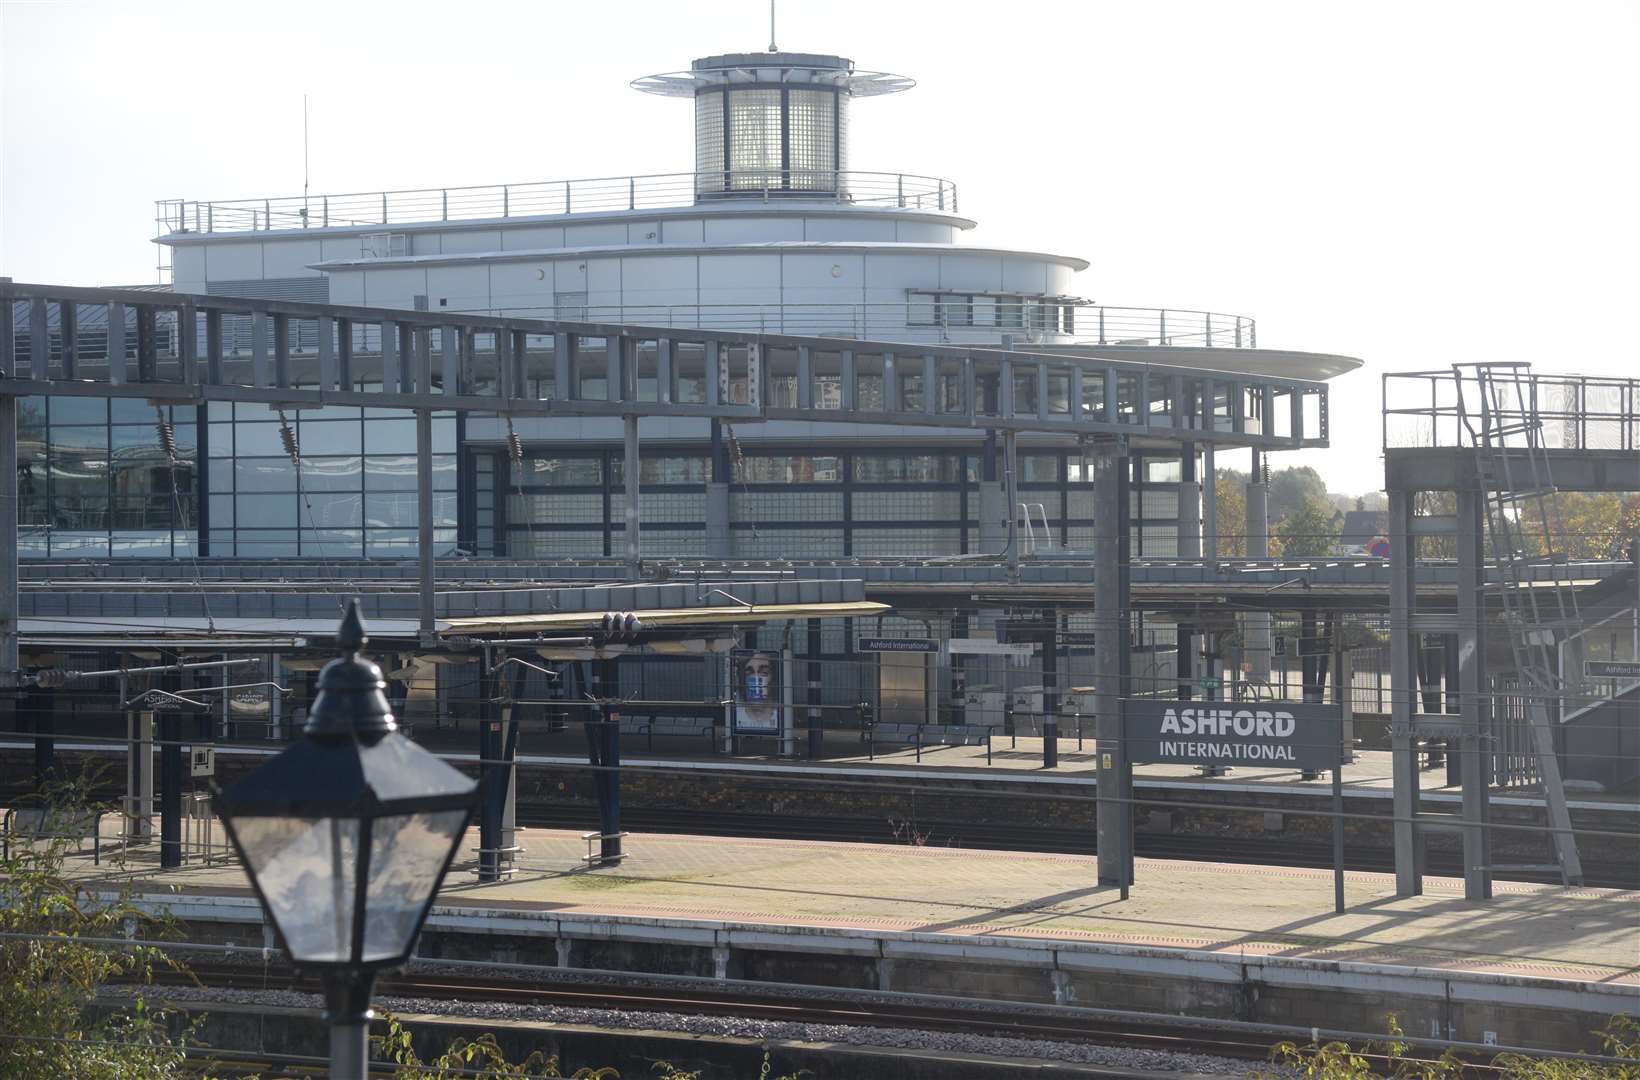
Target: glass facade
(354, 495)
(811, 116)
(96, 480)
(755, 144)
(866, 503)
(768, 138)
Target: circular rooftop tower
(772, 124)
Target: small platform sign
(891, 644)
(1611, 669)
(1281, 734)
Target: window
(907, 468)
(812, 139)
(660, 470)
(921, 310)
(709, 140)
(782, 469)
(754, 139)
(561, 472)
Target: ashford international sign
(1272, 733)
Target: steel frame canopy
(424, 360)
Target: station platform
(1585, 935)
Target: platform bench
(956, 735)
(42, 823)
(681, 726)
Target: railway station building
(780, 406)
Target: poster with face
(757, 691)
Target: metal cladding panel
(924, 232)
(982, 273)
(823, 277)
(466, 288)
(603, 281)
(392, 287)
(684, 231)
(235, 261)
(347, 287)
(1027, 275)
(339, 247)
(287, 258)
(188, 267)
(740, 279)
(512, 283)
(659, 279)
(736, 229)
(532, 237)
(595, 234)
(466, 240)
(828, 227)
(888, 275)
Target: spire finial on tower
(771, 27)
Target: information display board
(1277, 734)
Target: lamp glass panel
(407, 855)
(306, 869)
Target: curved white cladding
(796, 289)
(204, 257)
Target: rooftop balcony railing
(1567, 412)
(953, 319)
(551, 197)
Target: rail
(934, 318)
(1576, 412)
(551, 197)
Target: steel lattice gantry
(1471, 455)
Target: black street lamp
(346, 836)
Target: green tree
(1291, 490)
(1309, 530)
(53, 962)
(1581, 525)
(1230, 488)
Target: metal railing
(1025, 321)
(1576, 412)
(552, 197)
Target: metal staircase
(1498, 406)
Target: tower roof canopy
(794, 69)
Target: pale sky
(1412, 184)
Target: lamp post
(346, 836)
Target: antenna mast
(304, 159)
(771, 27)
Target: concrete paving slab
(1585, 934)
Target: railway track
(1003, 1020)
(1200, 847)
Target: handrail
(552, 197)
(1026, 321)
(1423, 410)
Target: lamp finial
(350, 635)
